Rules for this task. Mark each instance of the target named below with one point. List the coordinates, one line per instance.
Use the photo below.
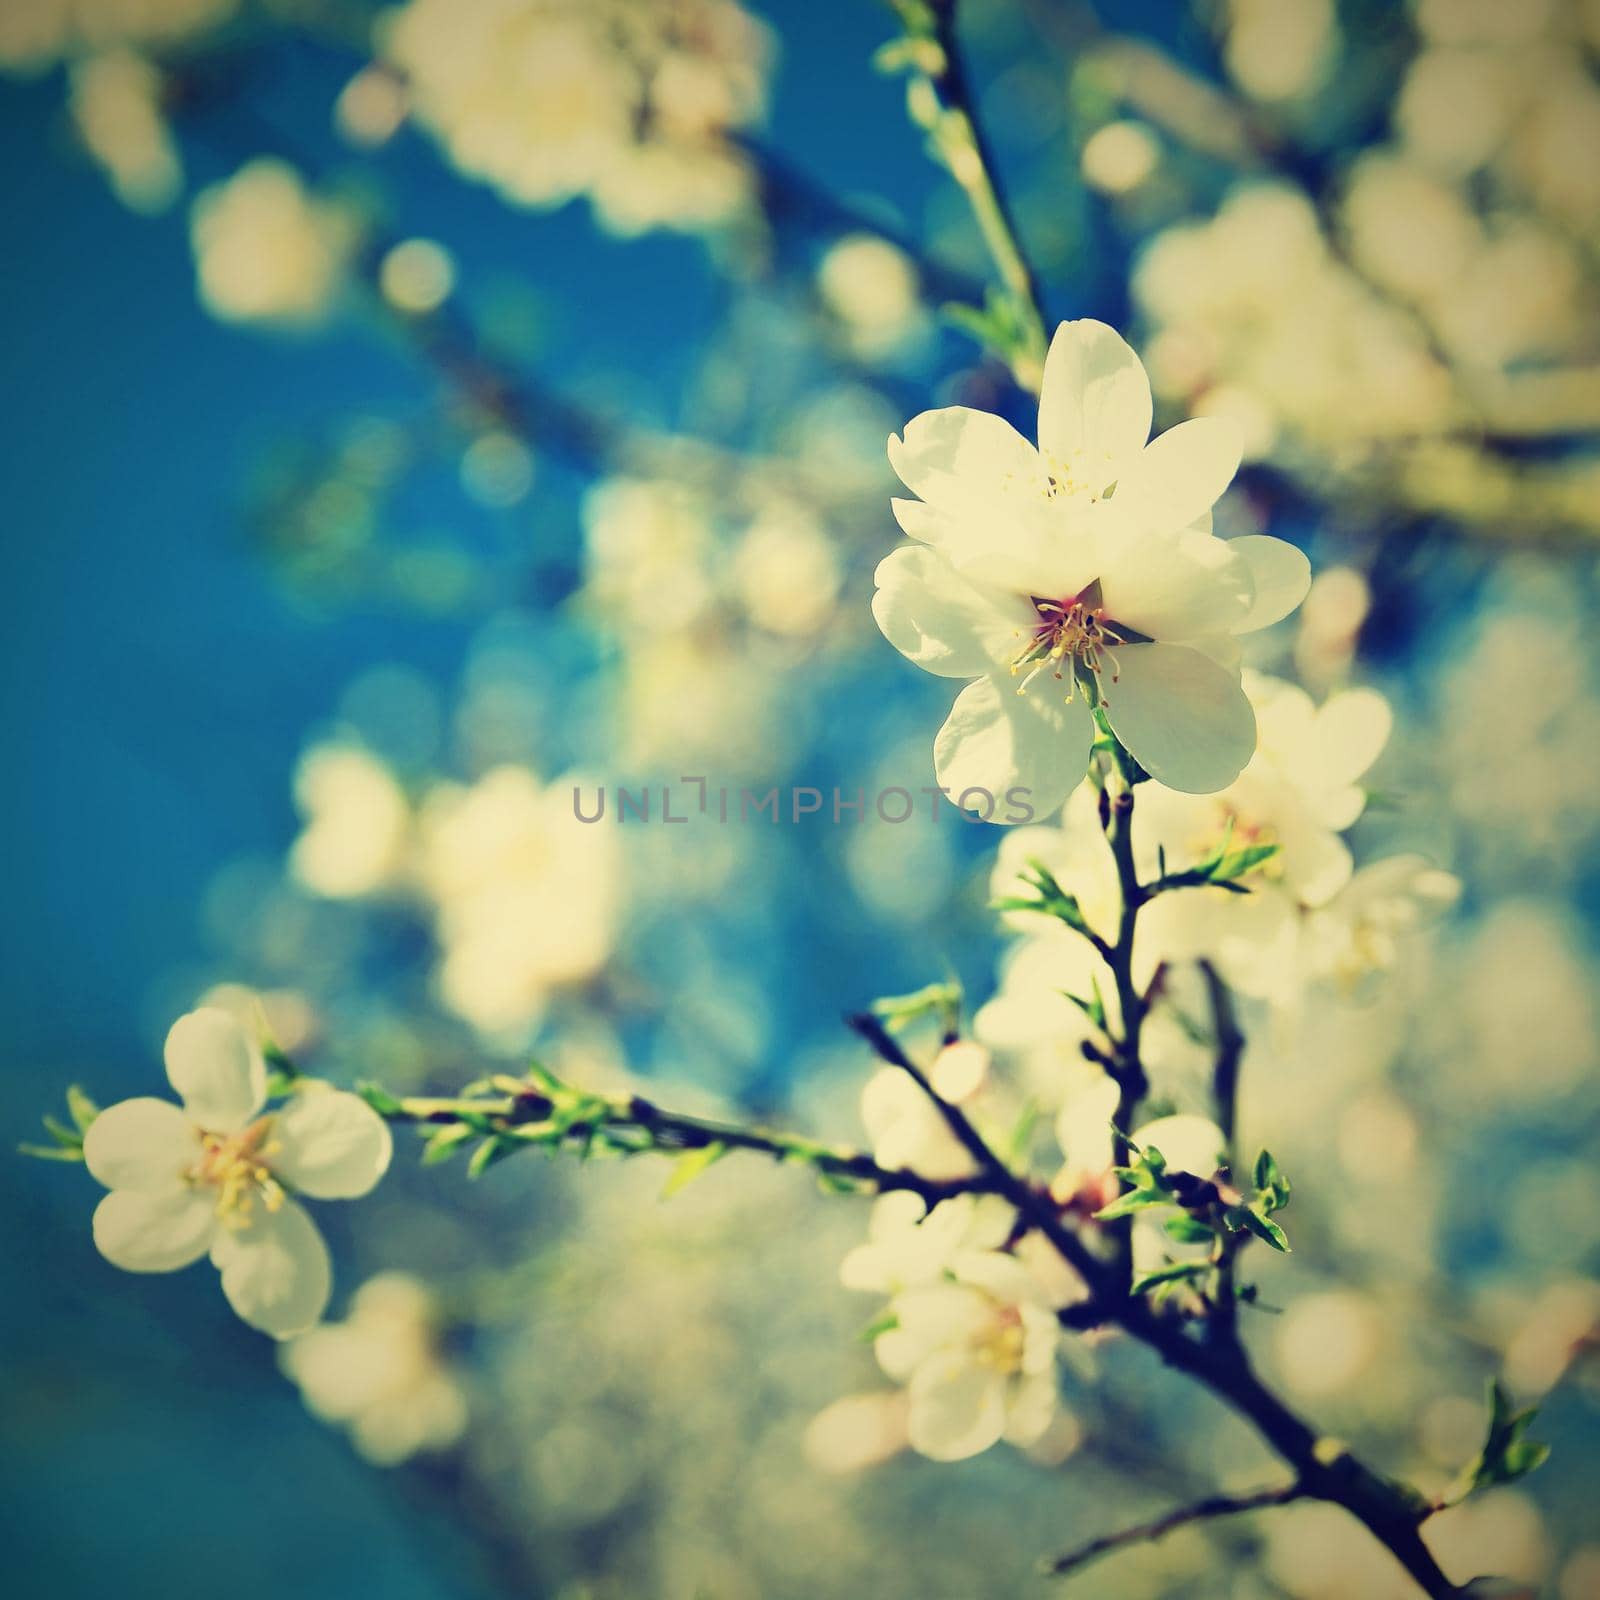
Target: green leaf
(51, 1152)
(1262, 1227)
(1236, 863)
(1173, 1272)
(1021, 1136)
(1048, 898)
(1506, 1455)
(1272, 1186)
(690, 1165)
(898, 1011)
(379, 1099)
(1134, 1200)
(444, 1143)
(67, 1138)
(493, 1149)
(1094, 1009)
(884, 1322)
(83, 1110)
(837, 1182)
(1189, 1230)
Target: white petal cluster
(380, 1373)
(1308, 916)
(34, 33)
(907, 1130)
(221, 1174)
(630, 102)
(970, 1330)
(267, 250)
(116, 105)
(523, 897)
(1082, 572)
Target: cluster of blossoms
(223, 1173)
(381, 1372)
(971, 1327)
(1444, 282)
(35, 33)
(522, 897)
(699, 605)
(633, 103)
(267, 250)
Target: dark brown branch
(1220, 1505)
(1032, 1204)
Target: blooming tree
(1056, 1172)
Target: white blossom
(220, 1174)
(972, 1327)
(906, 1129)
(525, 895)
(1082, 572)
(33, 33)
(116, 103)
(380, 1373)
(977, 1353)
(267, 250)
(1300, 791)
(630, 102)
(1358, 936)
(357, 822)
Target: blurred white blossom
(630, 102)
(268, 250)
(33, 33)
(380, 1372)
(117, 106)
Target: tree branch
(1036, 1207)
(959, 139)
(524, 1114)
(1230, 1044)
(1220, 1505)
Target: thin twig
(1229, 1042)
(1031, 1204)
(1219, 1505)
(524, 1115)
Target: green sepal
(690, 1165)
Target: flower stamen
(1072, 636)
(236, 1166)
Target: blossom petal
(334, 1146)
(1189, 1143)
(1095, 397)
(1031, 1407)
(154, 1232)
(145, 1145)
(216, 1069)
(1282, 577)
(1177, 587)
(997, 740)
(958, 1408)
(942, 623)
(1185, 719)
(957, 457)
(1178, 476)
(275, 1272)
(1316, 862)
(1351, 731)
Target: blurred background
(414, 411)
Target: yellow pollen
(1001, 1344)
(1071, 634)
(236, 1166)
